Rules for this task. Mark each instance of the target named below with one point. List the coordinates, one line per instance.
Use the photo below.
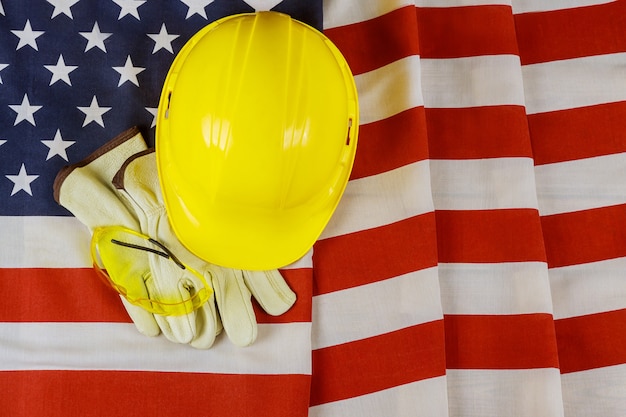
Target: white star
(57, 146)
(259, 5)
(94, 112)
(95, 38)
(196, 7)
(153, 111)
(163, 40)
(2, 141)
(2, 66)
(62, 6)
(24, 111)
(27, 36)
(128, 72)
(129, 7)
(1, 9)
(60, 71)
(22, 181)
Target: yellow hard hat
(256, 135)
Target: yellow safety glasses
(120, 256)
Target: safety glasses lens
(122, 258)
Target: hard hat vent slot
(349, 128)
(167, 110)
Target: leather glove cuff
(85, 188)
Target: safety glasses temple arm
(166, 252)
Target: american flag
(475, 266)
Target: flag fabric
(474, 267)
(74, 75)
(572, 67)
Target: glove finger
(235, 306)
(208, 324)
(132, 272)
(144, 321)
(178, 329)
(270, 290)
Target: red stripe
(57, 295)
(391, 143)
(369, 365)
(486, 236)
(585, 236)
(591, 341)
(478, 132)
(77, 295)
(148, 394)
(377, 42)
(454, 32)
(375, 254)
(590, 131)
(571, 33)
(524, 341)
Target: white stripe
(43, 242)
(572, 83)
(460, 3)
(56, 242)
(480, 184)
(422, 398)
(582, 184)
(596, 392)
(495, 289)
(526, 6)
(382, 199)
(342, 12)
(389, 90)
(445, 83)
(591, 288)
(374, 309)
(472, 81)
(496, 393)
(279, 349)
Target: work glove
(138, 181)
(85, 189)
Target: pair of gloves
(118, 185)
